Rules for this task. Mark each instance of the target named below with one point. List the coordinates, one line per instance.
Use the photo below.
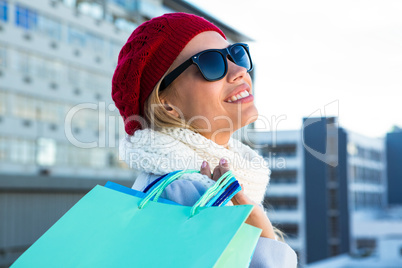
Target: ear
(169, 107)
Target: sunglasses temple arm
(174, 74)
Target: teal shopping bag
(107, 228)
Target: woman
(183, 90)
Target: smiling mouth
(238, 96)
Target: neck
(221, 138)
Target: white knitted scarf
(170, 149)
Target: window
(290, 229)
(3, 57)
(4, 143)
(55, 71)
(40, 67)
(22, 151)
(281, 203)
(333, 199)
(79, 119)
(351, 147)
(375, 155)
(334, 250)
(332, 173)
(120, 2)
(3, 10)
(334, 226)
(98, 157)
(49, 111)
(125, 25)
(28, 155)
(373, 200)
(359, 200)
(3, 102)
(74, 76)
(90, 8)
(46, 155)
(61, 154)
(24, 107)
(283, 176)
(92, 119)
(366, 245)
(90, 81)
(366, 175)
(112, 159)
(78, 156)
(76, 37)
(49, 27)
(95, 42)
(24, 63)
(353, 173)
(25, 18)
(280, 150)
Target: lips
(240, 92)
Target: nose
(235, 72)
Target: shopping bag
(108, 228)
(126, 190)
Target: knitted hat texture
(147, 55)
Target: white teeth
(239, 96)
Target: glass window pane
(95, 42)
(3, 10)
(3, 148)
(98, 157)
(14, 150)
(76, 37)
(3, 102)
(39, 65)
(46, 151)
(24, 63)
(74, 76)
(49, 27)
(3, 57)
(25, 18)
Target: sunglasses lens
(212, 65)
(240, 56)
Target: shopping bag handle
(210, 193)
(225, 179)
(157, 190)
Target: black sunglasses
(212, 63)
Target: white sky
(309, 54)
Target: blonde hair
(157, 116)
(155, 111)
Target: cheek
(202, 102)
(198, 94)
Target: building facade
(394, 167)
(59, 128)
(322, 176)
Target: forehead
(202, 41)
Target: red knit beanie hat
(147, 55)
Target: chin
(249, 116)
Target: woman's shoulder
(273, 253)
